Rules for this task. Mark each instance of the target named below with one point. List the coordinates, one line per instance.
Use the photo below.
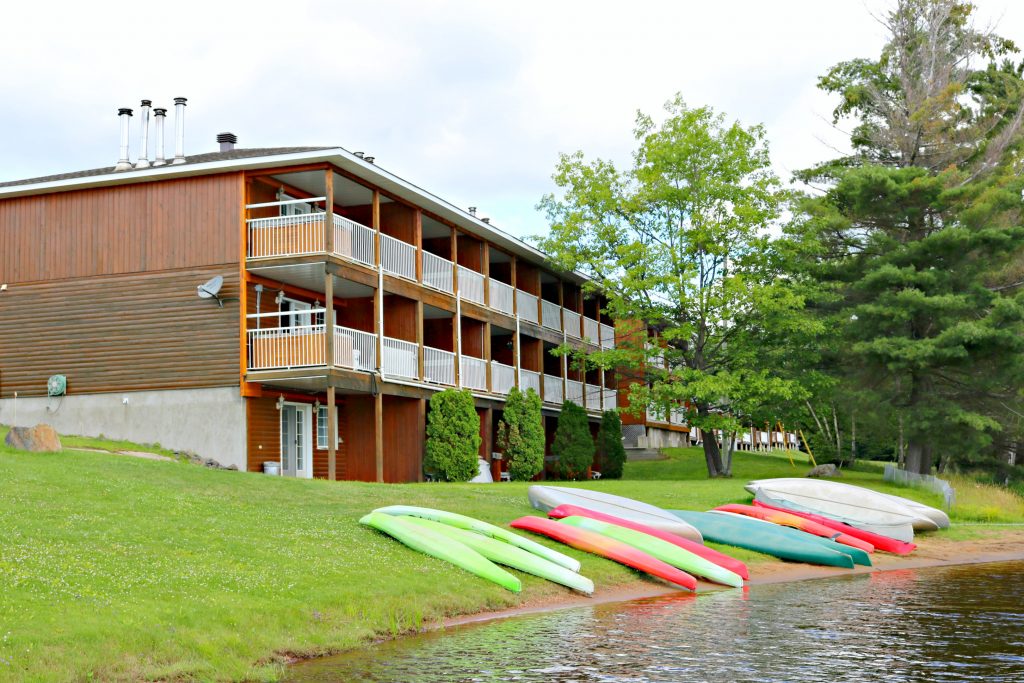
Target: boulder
(825, 471)
(39, 439)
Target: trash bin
(272, 467)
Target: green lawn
(120, 568)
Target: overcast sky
(470, 100)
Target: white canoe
(855, 505)
(546, 498)
(940, 518)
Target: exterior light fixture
(280, 402)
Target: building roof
(271, 157)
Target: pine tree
(521, 434)
(573, 447)
(453, 436)
(609, 445)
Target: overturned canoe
(783, 518)
(699, 549)
(463, 522)
(546, 498)
(509, 555)
(663, 550)
(753, 534)
(937, 516)
(443, 548)
(889, 545)
(593, 542)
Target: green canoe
(509, 555)
(859, 556)
(762, 537)
(663, 550)
(443, 548)
(463, 522)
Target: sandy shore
(932, 551)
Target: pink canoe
(889, 545)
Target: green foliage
(609, 445)
(680, 241)
(453, 436)
(573, 447)
(521, 434)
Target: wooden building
(349, 296)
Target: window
(321, 429)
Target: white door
(296, 441)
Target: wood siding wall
(121, 333)
(136, 228)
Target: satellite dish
(211, 288)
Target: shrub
(453, 436)
(609, 445)
(521, 434)
(573, 446)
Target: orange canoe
(806, 525)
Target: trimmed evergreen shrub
(521, 434)
(453, 436)
(573, 446)
(609, 445)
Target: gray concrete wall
(210, 422)
(665, 438)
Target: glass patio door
(296, 440)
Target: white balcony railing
(609, 400)
(553, 389)
(353, 240)
(438, 366)
(551, 315)
(593, 397)
(286, 347)
(398, 257)
(678, 416)
(473, 372)
(401, 358)
(607, 336)
(437, 272)
(500, 296)
(591, 330)
(355, 349)
(574, 391)
(503, 377)
(571, 320)
(526, 306)
(528, 379)
(471, 285)
(285, 235)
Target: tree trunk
(853, 438)
(919, 457)
(712, 455)
(730, 446)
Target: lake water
(941, 624)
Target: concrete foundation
(664, 438)
(209, 422)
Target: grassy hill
(120, 568)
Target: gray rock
(39, 439)
(826, 471)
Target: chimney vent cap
(358, 154)
(180, 100)
(124, 110)
(368, 160)
(486, 220)
(147, 103)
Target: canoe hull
(889, 545)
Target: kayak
(940, 518)
(463, 522)
(546, 498)
(441, 547)
(901, 531)
(699, 549)
(853, 505)
(593, 542)
(856, 554)
(662, 550)
(783, 518)
(889, 545)
(509, 555)
(744, 532)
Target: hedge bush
(521, 434)
(609, 445)
(573, 446)
(453, 436)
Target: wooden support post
(419, 338)
(417, 239)
(485, 268)
(378, 295)
(329, 209)
(422, 429)
(457, 331)
(332, 433)
(378, 428)
(487, 354)
(515, 299)
(454, 249)
(329, 318)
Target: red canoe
(721, 559)
(889, 545)
(785, 518)
(593, 542)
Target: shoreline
(931, 552)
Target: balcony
(593, 397)
(574, 391)
(438, 273)
(438, 366)
(528, 379)
(401, 358)
(607, 336)
(591, 330)
(526, 306)
(473, 373)
(398, 257)
(471, 285)
(609, 399)
(572, 323)
(503, 377)
(501, 296)
(552, 389)
(551, 315)
(284, 348)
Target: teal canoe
(509, 555)
(443, 548)
(858, 555)
(763, 537)
(661, 549)
(463, 522)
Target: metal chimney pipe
(143, 161)
(159, 114)
(124, 163)
(179, 130)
